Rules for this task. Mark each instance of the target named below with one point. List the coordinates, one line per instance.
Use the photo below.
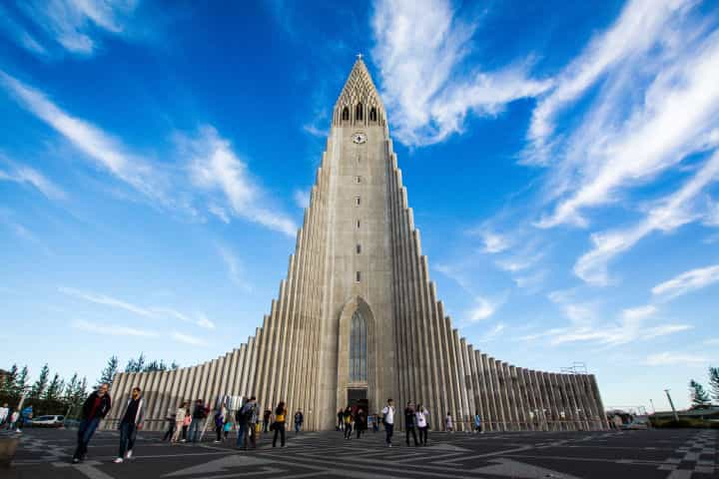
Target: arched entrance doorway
(357, 382)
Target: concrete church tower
(357, 318)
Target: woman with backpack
(279, 423)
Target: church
(357, 319)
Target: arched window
(373, 114)
(345, 113)
(358, 112)
(358, 349)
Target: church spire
(359, 103)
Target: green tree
(38, 389)
(108, 374)
(7, 388)
(21, 381)
(69, 393)
(136, 365)
(154, 366)
(54, 389)
(699, 396)
(714, 382)
(174, 366)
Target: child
(228, 426)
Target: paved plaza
(674, 454)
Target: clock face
(359, 138)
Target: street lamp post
(671, 403)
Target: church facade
(357, 319)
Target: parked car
(48, 421)
(639, 422)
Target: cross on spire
(359, 56)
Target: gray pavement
(672, 454)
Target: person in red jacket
(94, 409)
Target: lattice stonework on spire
(359, 92)
(358, 319)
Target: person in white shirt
(4, 413)
(448, 423)
(388, 413)
(422, 424)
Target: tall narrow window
(358, 200)
(345, 113)
(358, 349)
(373, 114)
(359, 248)
(358, 112)
(358, 224)
(358, 179)
(358, 277)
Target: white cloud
(205, 322)
(151, 313)
(483, 309)
(106, 152)
(420, 55)
(627, 139)
(74, 24)
(494, 242)
(106, 301)
(668, 214)
(112, 329)
(30, 176)
(234, 266)
(687, 282)
(674, 358)
(639, 313)
(493, 333)
(188, 339)
(641, 24)
(20, 35)
(214, 167)
(302, 198)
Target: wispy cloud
(493, 242)
(188, 339)
(112, 329)
(302, 198)
(483, 309)
(107, 152)
(420, 56)
(669, 358)
(75, 25)
(625, 140)
(19, 34)
(493, 333)
(668, 214)
(234, 266)
(29, 176)
(150, 313)
(215, 168)
(687, 282)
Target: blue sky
(562, 162)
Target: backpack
(249, 413)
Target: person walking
(348, 420)
(94, 409)
(299, 419)
(448, 424)
(340, 420)
(422, 419)
(219, 424)
(360, 422)
(180, 415)
(388, 419)
(266, 420)
(246, 419)
(130, 423)
(478, 423)
(279, 423)
(170, 426)
(409, 419)
(186, 422)
(13, 420)
(226, 429)
(4, 413)
(253, 426)
(198, 414)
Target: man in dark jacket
(198, 414)
(130, 423)
(94, 409)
